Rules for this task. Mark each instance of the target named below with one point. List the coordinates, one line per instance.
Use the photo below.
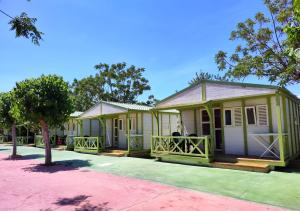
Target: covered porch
(200, 138)
(111, 128)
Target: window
(228, 117)
(262, 115)
(120, 124)
(250, 115)
(238, 120)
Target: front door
(205, 126)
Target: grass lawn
(275, 188)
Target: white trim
(120, 123)
(231, 115)
(254, 115)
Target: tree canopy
(116, 82)
(199, 76)
(263, 51)
(46, 101)
(45, 98)
(9, 115)
(6, 114)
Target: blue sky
(172, 39)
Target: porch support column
(270, 118)
(128, 131)
(102, 126)
(279, 123)
(81, 127)
(156, 115)
(245, 129)
(181, 124)
(209, 110)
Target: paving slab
(25, 184)
(278, 188)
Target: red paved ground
(24, 185)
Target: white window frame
(120, 124)
(232, 118)
(254, 113)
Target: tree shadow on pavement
(24, 157)
(90, 207)
(66, 165)
(82, 204)
(77, 200)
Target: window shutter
(238, 121)
(262, 115)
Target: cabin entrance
(205, 126)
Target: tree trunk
(14, 139)
(45, 133)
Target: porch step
(114, 153)
(244, 166)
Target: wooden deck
(245, 163)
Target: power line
(6, 14)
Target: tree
(24, 26)
(122, 84)
(8, 117)
(87, 92)
(207, 76)
(293, 33)
(263, 51)
(151, 101)
(45, 101)
(115, 82)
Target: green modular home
(223, 119)
(119, 126)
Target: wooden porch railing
(21, 140)
(39, 141)
(89, 144)
(135, 142)
(182, 145)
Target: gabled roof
(129, 106)
(229, 83)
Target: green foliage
(151, 101)
(115, 82)
(263, 51)
(293, 33)
(7, 110)
(24, 26)
(207, 76)
(87, 92)
(46, 98)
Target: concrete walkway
(27, 185)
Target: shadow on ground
(77, 200)
(58, 166)
(25, 157)
(82, 204)
(90, 207)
